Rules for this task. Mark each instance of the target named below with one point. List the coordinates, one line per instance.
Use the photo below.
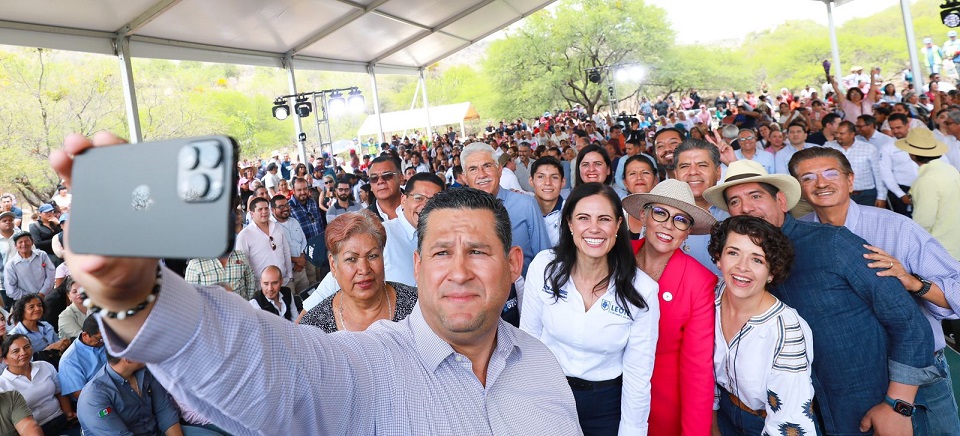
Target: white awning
(417, 118)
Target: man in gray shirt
(451, 367)
(344, 201)
(28, 271)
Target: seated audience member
(71, 319)
(28, 320)
(591, 266)
(83, 359)
(16, 418)
(44, 229)
(233, 270)
(275, 298)
(124, 398)
(355, 243)
(27, 271)
(763, 351)
(38, 383)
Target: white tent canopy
(418, 119)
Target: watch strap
(924, 288)
(902, 407)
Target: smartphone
(165, 199)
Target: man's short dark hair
(256, 201)
(799, 124)
(390, 159)
(472, 199)
(829, 118)
(457, 171)
(849, 125)
(90, 326)
(868, 119)
(668, 129)
(899, 117)
(274, 200)
(271, 166)
(423, 177)
(546, 160)
(698, 144)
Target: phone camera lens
(210, 154)
(189, 157)
(197, 187)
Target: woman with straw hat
(682, 382)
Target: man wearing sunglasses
(385, 180)
(900, 248)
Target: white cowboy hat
(748, 171)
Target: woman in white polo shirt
(38, 383)
(587, 301)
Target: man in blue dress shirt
(901, 249)
(872, 345)
(83, 359)
(124, 398)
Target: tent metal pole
(122, 48)
(297, 123)
(911, 45)
(834, 46)
(372, 69)
(413, 103)
(426, 107)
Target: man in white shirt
(952, 126)
(295, 237)
(897, 168)
(548, 181)
(796, 141)
(271, 179)
(868, 187)
(867, 129)
(509, 180)
(264, 242)
(748, 150)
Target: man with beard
(295, 237)
(665, 142)
(307, 212)
(344, 201)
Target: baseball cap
(44, 208)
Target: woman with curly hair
(763, 350)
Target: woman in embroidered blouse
(355, 243)
(764, 350)
(588, 303)
(682, 383)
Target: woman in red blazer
(682, 385)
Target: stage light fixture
(303, 107)
(594, 76)
(355, 101)
(280, 109)
(337, 104)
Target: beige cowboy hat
(921, 142)
(748, 171)
(673, 193)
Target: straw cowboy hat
(673, 193)
(921, 142)
(748, 171)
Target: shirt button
(459, 359)
(667, 296)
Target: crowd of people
(758, 264)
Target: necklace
(343, 320)
(659, 272)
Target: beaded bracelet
(88, 303)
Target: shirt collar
(408, 229)
(559, 206)
(433, 350)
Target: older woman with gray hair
(355, 243)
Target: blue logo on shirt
(613, 308)
(549, 290)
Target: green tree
(545, 63)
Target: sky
(709, 21)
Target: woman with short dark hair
(764, 350)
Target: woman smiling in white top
(764, 350)
(597, 312)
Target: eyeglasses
(273, 246)
(660, 215)
(386, 176)
(832, 175)
(419, 198)
(328, 182)
(748, 138)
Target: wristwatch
(902, 407)
(924, 288)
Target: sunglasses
(386, 176)
(660, 215)
(273, 246)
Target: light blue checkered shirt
(251, 372)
